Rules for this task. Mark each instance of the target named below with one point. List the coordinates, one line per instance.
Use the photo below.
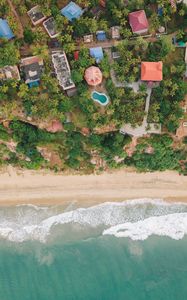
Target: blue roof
(5, 31)
(72, 11)
(160, 11)
(97, 53)
(101, 35)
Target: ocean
(133, 250)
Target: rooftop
(72, 11)
(32, 68)
(138, 21)
(151, 71)
(115, 32)
(101, 35)
(5, 31)
(36, 15)
(88, 38)
(50, 27)
(97, 53)
(9, 72)
(93, 76)
(62, 69)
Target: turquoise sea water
(61, 253)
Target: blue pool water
(100, 98)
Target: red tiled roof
(76, 55)
(138, 21)
(151, 71)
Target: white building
(62, 70)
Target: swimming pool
(100, 98)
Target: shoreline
(46, 188)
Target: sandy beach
(19, 187)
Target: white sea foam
(36, 207)
(172, 225)
(38, 225)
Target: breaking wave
(173, 226)
(137, 219)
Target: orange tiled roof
(151, 71)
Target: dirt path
(104, 44)
(20, 31)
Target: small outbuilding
(97, 53)
(93, 76)
(88, 38)
(115, 32)
(101, 35)
(5, 30)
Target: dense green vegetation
(157, 153)
(90, 139)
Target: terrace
(50, 27)
(36, 15)
(9, 72)
(62, 70)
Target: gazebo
(93, 76)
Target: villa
(5, 30)
(62, 70)
(36, 15)
(50, 27)
(72, 11)
(138, 22)
(9, 72)
(97, 53)
(32, 68)
(151, 71)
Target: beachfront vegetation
(90, 137)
